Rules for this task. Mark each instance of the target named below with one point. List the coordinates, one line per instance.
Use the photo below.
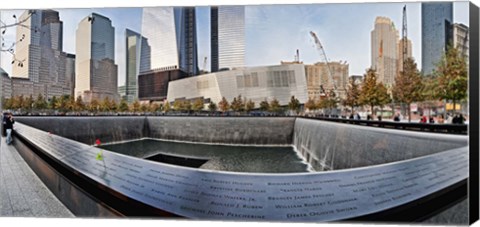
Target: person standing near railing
(440, 119)
(423, 119)
(397, 117)
(458, 119)
(9, 121)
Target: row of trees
(449, 82)
(370, 93)
(67, 103)
(238, 104)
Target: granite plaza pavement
(22, 193)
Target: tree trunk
(409, 113)
(393, 110)
(454, 104)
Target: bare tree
(9, 47)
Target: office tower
(460, 39)
(227, 37)
(6, 84)
(132, 64)
(39, 56)
(384, 38)
(172, 39)
(437, 18)
(70, 74)
(168, 49)
(96, 72)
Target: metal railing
(422, 127)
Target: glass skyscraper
(227, 37)
(168, 50)
(39, 56)
(133, 43)
(94, 64)
(171, 40)
(437, 18)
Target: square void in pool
(256, 159)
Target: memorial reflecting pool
(255, 159)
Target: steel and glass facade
(227, 37)
(94, 64)
(39, 57)
(437, 18)
(132, 63)
(171, 40)
(168, 49)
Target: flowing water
(257, 159)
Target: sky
(273, 32)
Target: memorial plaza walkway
(22, 193)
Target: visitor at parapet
(423, 119)
(358, 117)
(379, 117)
(431, 120)
(455, 119)
(351, 116)
(458, 119)
(461, 119)
(440, 119)
(9, 121)
(449, 118)
(396, 117)
(369, 117)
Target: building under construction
(318, 83)
(318, 80)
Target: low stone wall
(227, 130)
(330, 146)
(88, 129)
(325, 145)
(119, 184)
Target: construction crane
(404, 38)
(321, 51)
